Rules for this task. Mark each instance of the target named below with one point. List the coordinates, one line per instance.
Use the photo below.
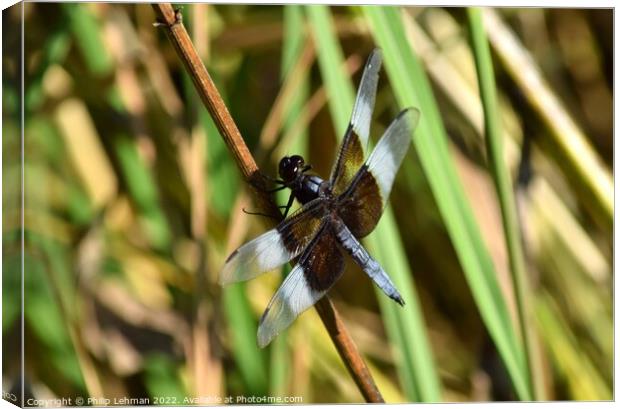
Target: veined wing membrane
(319, 267)
(351, 153)
(275, 247)
(369, 191)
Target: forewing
(351, 154)
(364, 200)
(319, 267)
(275, 247)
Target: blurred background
(132, 203)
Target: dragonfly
(334, 215)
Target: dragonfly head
(291, 167)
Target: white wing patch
(292, 298)
(365, 101)
(389, 153)
(264, 253)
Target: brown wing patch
(350, 159)
(299, 229)
(361, 205)
(324, 263)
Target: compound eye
(286, 168)
(284, 163)
(297, 162)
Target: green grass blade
(249, 358)
(567, 143)
(417, 371)
(44, 318)
(294, 39)
(340, 92)
(162, 380)
(87, 32)
(405, 326)
(413, 88)
(501, 178)
(144, 192)
(293, 44)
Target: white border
(547, 4)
